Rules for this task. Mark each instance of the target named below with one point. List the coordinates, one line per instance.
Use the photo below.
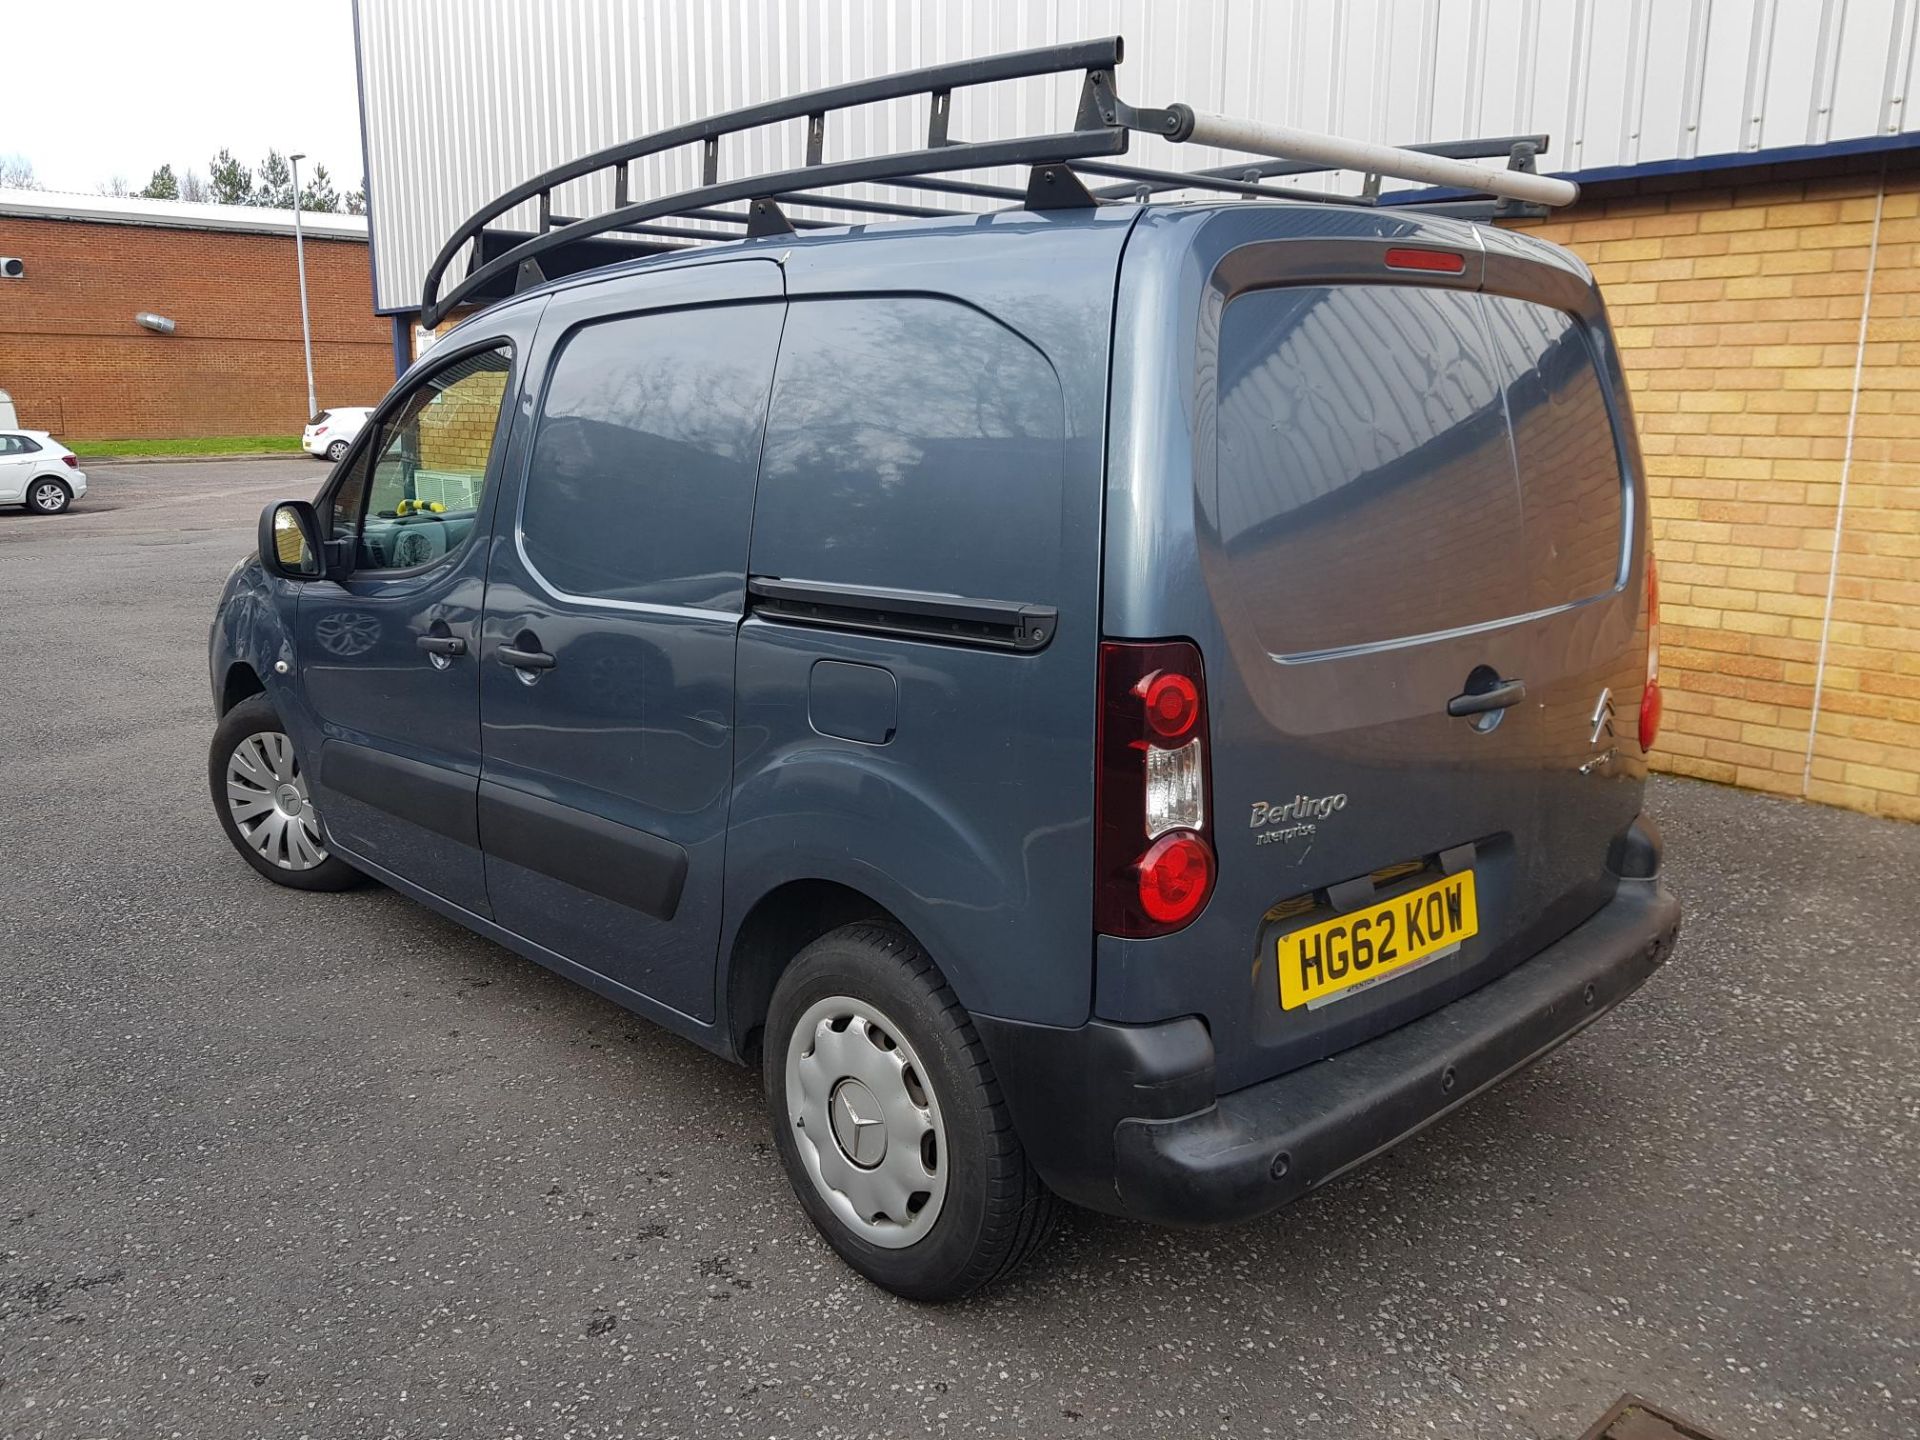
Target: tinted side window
(640, 487)
(912, 443)
(1571, 484)
(411, 496)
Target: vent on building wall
(12, 267)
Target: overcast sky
(113, 88)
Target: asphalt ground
(284, 1164)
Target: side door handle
(1482, 702)
(442, 644)
(524, 659)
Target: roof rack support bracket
(1100, 106)
(710, 160)
(764, 217)
(937, 119)
(527, 275)
(1055, 187)
(816, 137)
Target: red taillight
(319, 430)
(1153, 849)
(1175, 876)
(1404, 257)
(1172, 703)
(1650, 697)
(72, 462)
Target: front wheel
(889, 1121)
(260, 792)
(48, 497)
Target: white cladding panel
(463, 100)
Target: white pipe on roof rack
(1284, 142)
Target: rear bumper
(1122, 1118)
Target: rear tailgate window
(1371, 485)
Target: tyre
(336, 450)
(260, 793)
(889, 1121)
(48, 496)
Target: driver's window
(413, 494)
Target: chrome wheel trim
(267, 797)
(337, 451)
(50, 496)
(846, 1053)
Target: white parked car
(330, 432)
(38, 472)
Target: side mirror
(290, 541)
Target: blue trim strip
(1699, 164)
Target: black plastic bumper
(1122, 1118)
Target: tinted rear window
(1366, 472)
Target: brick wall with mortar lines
(76, 364)
(1758, 396)
(456, 433)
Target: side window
(640, 487)
(412, 495)
(913, 444)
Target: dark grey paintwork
(1021, 408)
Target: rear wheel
(260, 792)
(336, 450)
(890, 1123)
(47, 496)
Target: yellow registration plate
(1363, 945)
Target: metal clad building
(462, 101)
(1750, 206)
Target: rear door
(1412, 498)
(615, 593)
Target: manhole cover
(1632, 1418)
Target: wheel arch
(240, 682)
(778, 926)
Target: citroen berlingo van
(1130, 704)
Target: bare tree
(16, 173)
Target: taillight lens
(72, 462)
(1650, 697)
(1154, 848)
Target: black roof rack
(503, 260)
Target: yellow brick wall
(1739, 315)
(456, 434)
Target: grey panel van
(1143, 705)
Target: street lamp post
(300, 259)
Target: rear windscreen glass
(1564, 447)
(1367, 488)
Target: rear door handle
(442, 644)
(1480, 702)
(524, 659)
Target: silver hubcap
(49, 497)
(267, 794)
(865, 1121)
